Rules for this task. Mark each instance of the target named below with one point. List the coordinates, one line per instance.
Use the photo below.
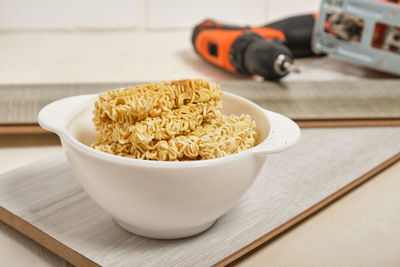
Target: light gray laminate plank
(370, 99)
(46, 195)
(324, 100)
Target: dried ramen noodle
(169, 121)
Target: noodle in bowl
(164, 199)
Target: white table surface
(360, 229)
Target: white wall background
(142, 14)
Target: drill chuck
(282, 64)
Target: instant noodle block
(177, 120)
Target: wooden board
(44, 202)
(323, 100)
(22, 129)
(311, 104)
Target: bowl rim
(162, 164)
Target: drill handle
(298, 32)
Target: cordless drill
(267, 51)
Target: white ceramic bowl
(164, 199)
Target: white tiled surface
(286, 8)
(107, 56)
(67, 14)
(180, 14)
(143, 14)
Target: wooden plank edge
(320, 123)
(303, 123)
(44, 239)
(22, 129)
(307, 213)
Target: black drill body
(267, 51)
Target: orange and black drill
(267, 51)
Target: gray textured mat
(372, 99)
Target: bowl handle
(284, 133)
(52, 117)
